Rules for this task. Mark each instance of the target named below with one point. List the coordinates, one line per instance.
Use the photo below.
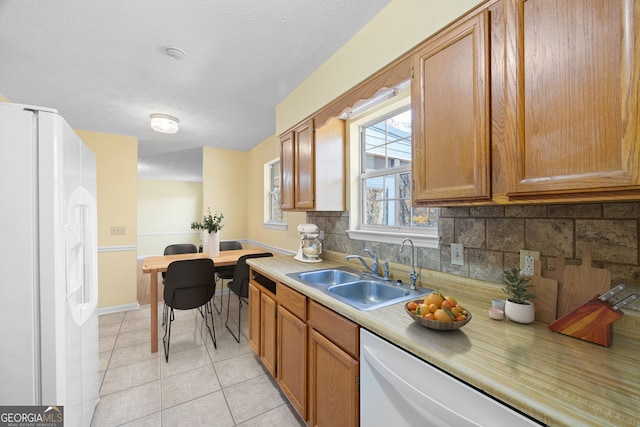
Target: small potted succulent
(213, 224)
(518, 308)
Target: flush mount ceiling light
(164, 123)
(175, 53)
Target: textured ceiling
(102, 65)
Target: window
(383, 184)
(273, 217)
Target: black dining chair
(240, 286)
(179, 248)
(189, 284)
(225, 272)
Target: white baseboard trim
(118, 308)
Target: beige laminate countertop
(556, 379)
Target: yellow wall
(395, 30)
(117, 170)
(224, 189)
(165, 212)
(287, 240)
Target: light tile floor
(199, 386)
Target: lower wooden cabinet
(254, 318)
(292, 346)
(311, 351)
(334, 368)
(292, 359)
(268, 331)
(334, 387)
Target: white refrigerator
(48, 264)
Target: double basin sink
(359, 290)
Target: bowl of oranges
(439, 312)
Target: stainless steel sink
(371, 294)
(327, 277)
(358, 290)
(368, 291)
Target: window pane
(275, 214)
(386, 145)
(374, 189)
(390, 186)
(404, 188)
(424, 217)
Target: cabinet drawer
(341, 331)
(293, 301)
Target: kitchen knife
(625, 301)
(614, 291)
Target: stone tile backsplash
(493, 236)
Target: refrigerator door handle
(81, 255)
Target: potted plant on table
(213, 224)
(518, 308)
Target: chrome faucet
(413, 276)
(374, 262)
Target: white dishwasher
(397, 389)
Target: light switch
(457, 254)
(118, 230)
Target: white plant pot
(520, 313)
(214, 244)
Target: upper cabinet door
(571, 106)
(287, 170)
(450, 99)
(304, 166)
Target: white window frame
(427, 237)
(268, 222)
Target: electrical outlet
(457, 254)
(118, 231)
(527, 259)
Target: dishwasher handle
(411, 393)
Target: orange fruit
(424, 309)
(452, 300)
(441, 316)
(430, 316)
(432, 307)
(447, 304)
(456, 310)
(434, 298)
(412, 306)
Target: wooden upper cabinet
(304, 186)
(571, 104)
(450, 102)
(312, 166)
(287, 170)
(330, 166)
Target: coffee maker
(310, 247)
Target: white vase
(214, 244)
(520, 313)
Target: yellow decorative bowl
(434, 324)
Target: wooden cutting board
(581, 283)
(558, 273)
(546, 291)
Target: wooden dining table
(157, 264)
